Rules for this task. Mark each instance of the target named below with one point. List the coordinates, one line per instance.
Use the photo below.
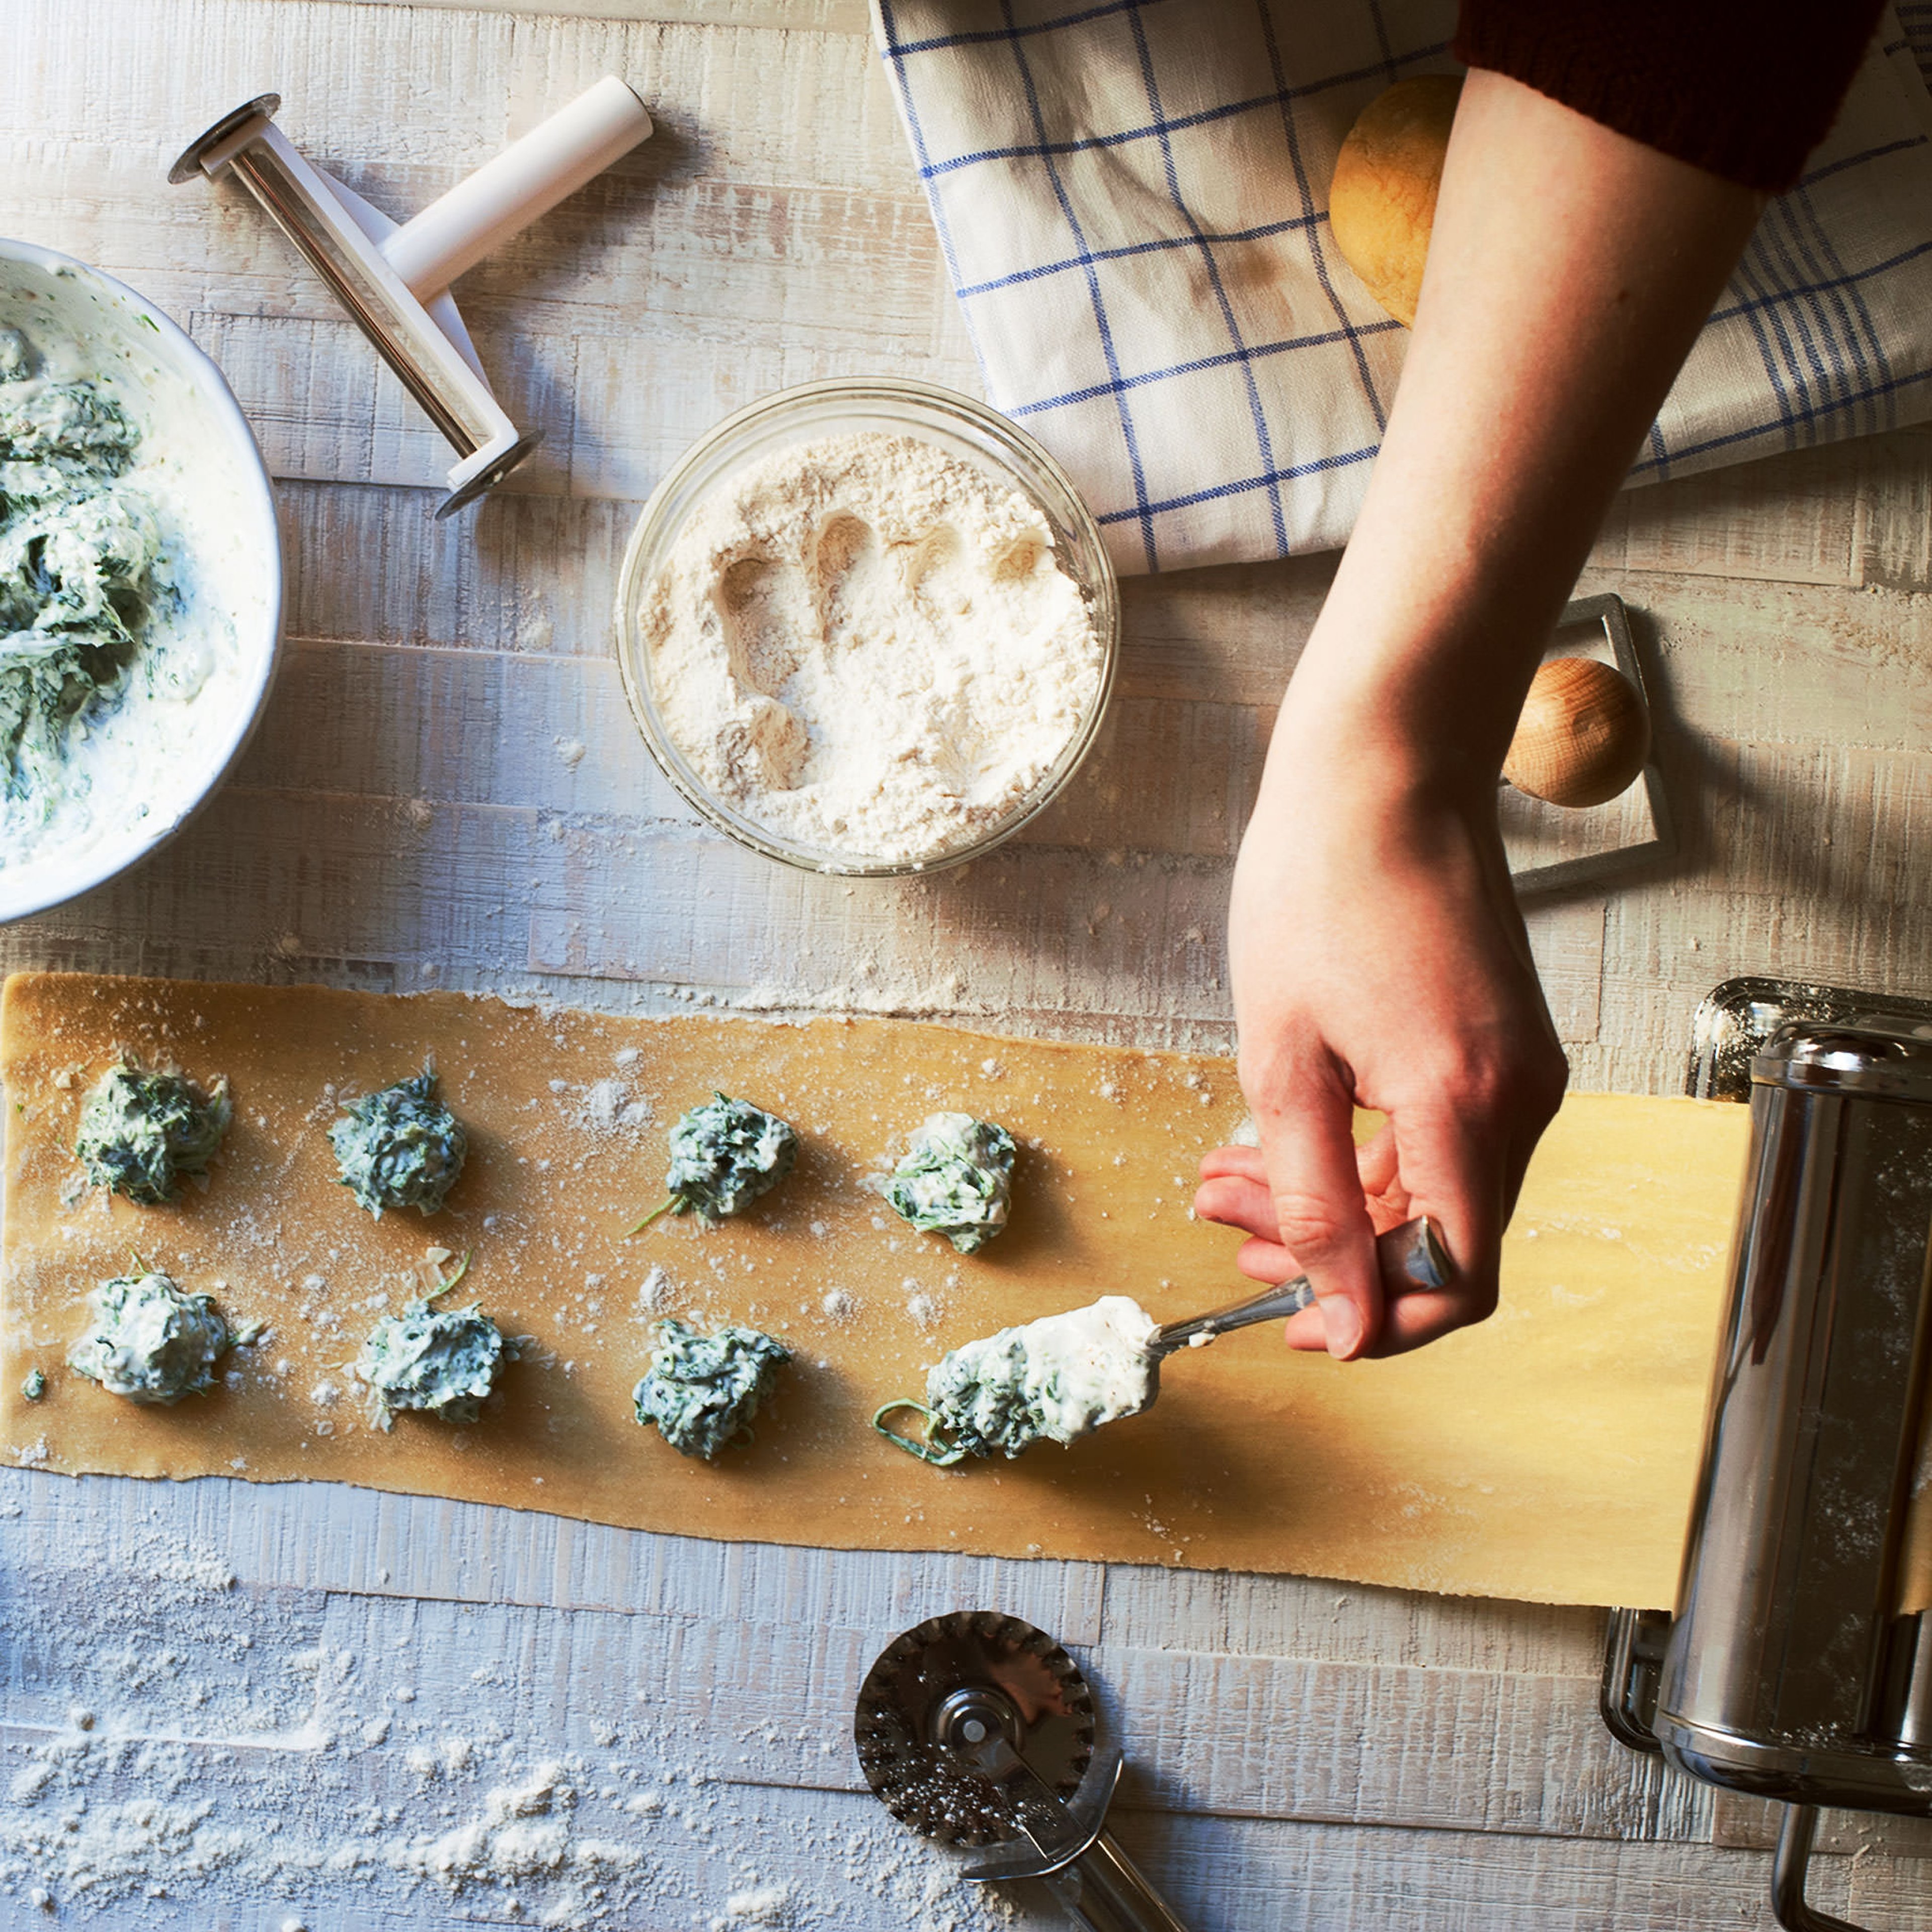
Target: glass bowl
(956, 424)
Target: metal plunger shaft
(394, 278)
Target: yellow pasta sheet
(1548, 1454)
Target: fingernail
(1342, 1324)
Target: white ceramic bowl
(198, 460)
(979, 435)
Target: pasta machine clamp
(1797, 1665)
(978, 1730)
(394, 277)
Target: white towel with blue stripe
(1131, 195)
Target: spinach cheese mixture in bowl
(140, 578)
(868, 628)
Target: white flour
(179, 1748)
(868, 645)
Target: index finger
(1320, 1217)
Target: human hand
(1378, 960)
(1377, 953)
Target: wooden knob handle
(1583, 735)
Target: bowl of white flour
(868, 628)
(140, 578)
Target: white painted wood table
(228, 1706)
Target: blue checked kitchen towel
(1131, 197)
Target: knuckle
(1282, 1069)
(1268, 1084)
(1505, 1084)
(1482, 1088)
(1311, 1230)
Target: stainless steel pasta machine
(1797, 1664)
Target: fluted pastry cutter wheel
(978, 1730)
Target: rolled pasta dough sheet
(1547, 1454)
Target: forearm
(1569, 270)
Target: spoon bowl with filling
(127, 770)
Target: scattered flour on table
(758, 1905)
(867, 644)
(178, 1745)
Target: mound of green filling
(1054, 1380)
(955, 1179)
(703, 1390)
(80, 564)
(438, 1361)
(977, 1399)
(400, 1147)
(149, 1342)
(140, 1131)
(723, 1155)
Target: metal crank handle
(1103, 1890)
(1788, 1904)
(1412, 1258)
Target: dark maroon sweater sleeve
(1743, 88)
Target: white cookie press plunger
(394, 280)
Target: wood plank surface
(413, 816)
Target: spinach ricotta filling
(1055, 1380)
(149, 1342)
(81, 566)
(703, 1390)
(436, 1361)
(400, 1147)
(956, 1180)
(723, 1155)
(141, 1132)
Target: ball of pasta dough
(1381, 201)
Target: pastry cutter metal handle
(1074, 1855)
(1412, 1258)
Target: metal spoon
(1412, 1257)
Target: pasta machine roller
(978, 1730)
(1797, 1665)
(394, 278)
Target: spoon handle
(1412, 1258)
